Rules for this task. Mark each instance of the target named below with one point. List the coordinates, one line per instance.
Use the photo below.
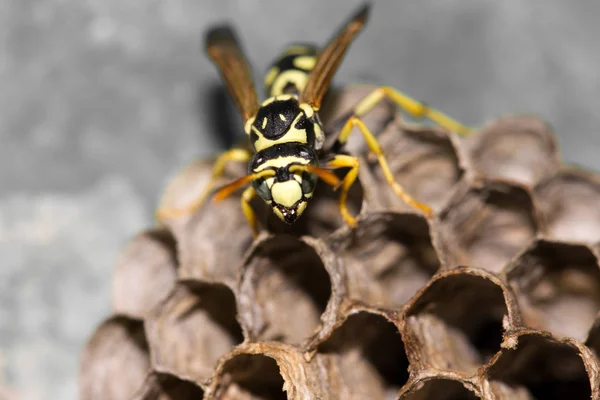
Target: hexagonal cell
(388, 257)
(559, 284)
(249, 377)
(439, 388)
(115, 360)
(286, 287)
(546, 367)
(492, 221)
(192, 329)
(425, 161)
(366, 356)
(203, 235)
(163, 386)
(145, 273)
(457, 321)
(517, 148)
(570, 206)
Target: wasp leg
(344, 161)
(247, 196)
(218, 169)
(411, 106)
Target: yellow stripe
(248, 125)
(293, 76)
(271, 75)
(308, 110)
(305, 62)
(280, 162)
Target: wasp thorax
(283, 119)
(290, 186)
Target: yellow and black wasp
(286, 133)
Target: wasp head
(290, 186)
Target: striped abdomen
(288, 75)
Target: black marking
(277, 127)
(283, 174)
(308, 125)
(299, 150)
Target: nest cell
(547, 368)
(492, 222)
(456, 323)
(192, 329)
(203, 235)
(145, 273)
(367, 356)
(250, 377)
(521, 149)
(285, 290)
(115, 361)
(387, 258)
(425, 161)
(569, 203)
(559, 284)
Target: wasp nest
(496, 297)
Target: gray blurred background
(102, 100)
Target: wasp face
(290, 188)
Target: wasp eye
(263, 190)
(309, 181)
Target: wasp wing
(330, 58)
(224, 49)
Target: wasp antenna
(228, 189)
(325, 174)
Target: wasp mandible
(286, 133)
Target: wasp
(286, 134)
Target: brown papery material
(570, 205)
(115, 360)
(495, 296)
(149, 260)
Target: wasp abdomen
(289, 74)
